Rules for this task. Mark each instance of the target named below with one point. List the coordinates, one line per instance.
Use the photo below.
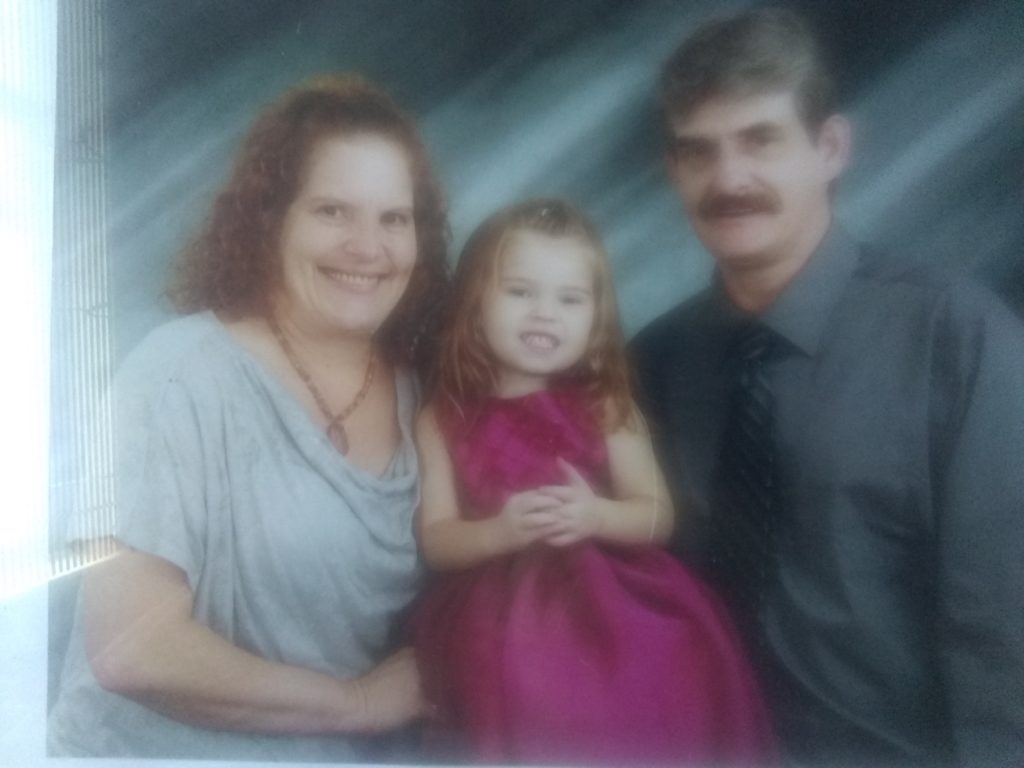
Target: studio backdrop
(515, 99)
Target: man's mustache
(716, 205)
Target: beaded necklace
(335, 427)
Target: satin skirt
(587, 655)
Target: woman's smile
(360, 282)
(348, 244)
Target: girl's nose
(543, 308)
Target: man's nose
(731, 171)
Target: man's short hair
(754, 52)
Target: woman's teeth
(353, 279)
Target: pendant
(338, 437)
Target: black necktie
(747, 502)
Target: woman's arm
(143, 643)
(639, 511)
(451, 543)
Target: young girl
(557, 630)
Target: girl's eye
(517, 290)
(573, 299)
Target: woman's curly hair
(234, 264)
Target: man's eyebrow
(763, 128)
(326, 197)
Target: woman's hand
(143, 643)
(391, 693)
(578, 514)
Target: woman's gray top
(291, 552)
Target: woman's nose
(362, 239)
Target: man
(845, 440)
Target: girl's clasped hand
(557, 515)
(577, 514)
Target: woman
(267, 477)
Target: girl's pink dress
(589, 654)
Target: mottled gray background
(516, 98)
(533, 97)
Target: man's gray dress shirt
(895, 620)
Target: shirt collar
(801, 312)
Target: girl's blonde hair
(467, 369)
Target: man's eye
(692, 152)
(762, 139)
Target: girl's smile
(540, 341)
(538, 314)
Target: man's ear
(835, 140)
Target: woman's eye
(329, 211)
(397, 219)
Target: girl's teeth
(540, 340)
